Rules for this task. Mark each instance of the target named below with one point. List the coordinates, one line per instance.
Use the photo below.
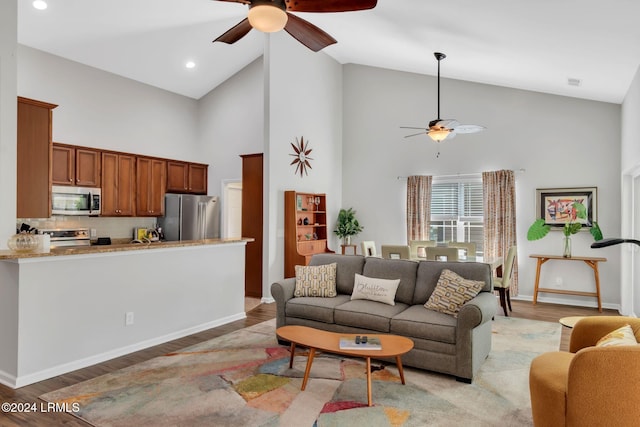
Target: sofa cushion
(374, 289)
(347, 267)
(429, 274)
(402, 269)
(364, 314)
(319, 309)
(315, 281)
(420, 322)
(452, 292)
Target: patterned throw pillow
(451, 292)
(316, 281)
(374, 289)
(621, 336)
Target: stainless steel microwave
(69, 200)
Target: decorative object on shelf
(443, 129)
(572, 209)
(316, 201)
(22, 242)
(301, 154)
(305, 221)
(300, 221)
(308, 236)
(347, 225)
(270, 16)
(299, 202)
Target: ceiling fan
(443, 129)
(270, 16)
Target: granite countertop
(118, 247)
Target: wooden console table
(590, 261)
(345, 247)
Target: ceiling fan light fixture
(438, 134)
(267, 18)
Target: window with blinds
(457, 212)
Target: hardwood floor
(29, 394)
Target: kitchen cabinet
(150, 186)
(73, 165)
(185, 177)
(305, 228)
(118, 184)
(33, 160)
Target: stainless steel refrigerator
(190, 217)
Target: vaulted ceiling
(532, 45)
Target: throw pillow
(452, 292)
(621, 336)
(316, 281)
(371, 288)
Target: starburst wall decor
(301, 154)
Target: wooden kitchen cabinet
(73, 165)
(305, 229)
(151, 178)
(185, 177)
(118, 184)
(33, 161)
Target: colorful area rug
(243, 379)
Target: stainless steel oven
(69, 200)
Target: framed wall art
(554, 205)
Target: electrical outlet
(128, 318)
(94, 233)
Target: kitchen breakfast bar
(71, 308)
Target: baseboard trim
(23, 380)
(562, 301)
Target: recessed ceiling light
(190, 64)
(40, 4)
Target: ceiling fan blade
(235, 33)
(329, 5)
(409, 127)
(469, 128)
(307, 33)
(238, 1)
(416, 134)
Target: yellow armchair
(588, 386)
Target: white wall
(8, 109)
(558, 141)
(230, 123)
(630, 208)
(304, 97)
(103, 110)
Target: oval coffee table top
(392, 345)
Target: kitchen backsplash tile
(118, 228)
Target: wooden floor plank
(30, 393)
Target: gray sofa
(442, 343)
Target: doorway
(232, 218)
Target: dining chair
(502, 284)
(469, 247)
(417, 248)
(368, 248)
(440, 253)
(395, 251)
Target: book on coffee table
(360, 342)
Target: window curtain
(499, 192)
(418, 207)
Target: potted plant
(577, 211)
(347, 225)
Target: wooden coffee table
(316, 339)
